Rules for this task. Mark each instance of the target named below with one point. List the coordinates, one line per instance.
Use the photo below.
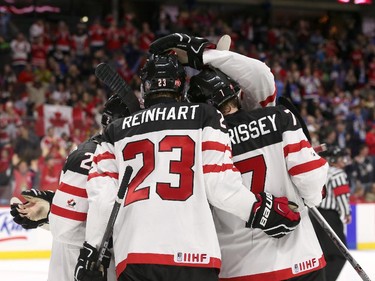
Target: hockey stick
(115, 83)
(339, 244)
(111, 222)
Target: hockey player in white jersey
(66, 210)
(269, 147)
(181, 157)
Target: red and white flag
(58, 116)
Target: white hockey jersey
(273, 155)
(69, 212)
(181, 159)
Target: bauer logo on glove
(273, 215)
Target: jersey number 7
(257, 165)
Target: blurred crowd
(327, 71)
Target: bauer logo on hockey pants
(181, 257)
(267, 210)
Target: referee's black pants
(334, 258)
(157, 272)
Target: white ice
(36, 270)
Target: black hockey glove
(85, 269)
(34, 212)
(191, 47)
(273, 215)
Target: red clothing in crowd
(23, 180)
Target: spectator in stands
(38, 52)
(10, 120)
(36, 29)
(50, 140)
(5, 52)
(96, 34)
(358, 195)
(50, 174)
(27, 145)
(6, 174)
(356, 129)
(370, 140)
(21, 49)
(37, 93)
(61, 95)
(24, 177)
(63, 40)
(370, 194)
(362, 168)
(8, 76)
(26, 75)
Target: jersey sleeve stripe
(73, 190)
(212, 145)
(103, 156)
(296, 147)
(343, 189)
(218, 168)
(104, 174)
(69, 214)
(269, 99)
(307, 167)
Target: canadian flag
(58, 116)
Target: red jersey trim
(296, 147)
(143, 258)
(307, 167)
(69, 214)
(103, 156)
(104, 174)
(269, 99)
(73, 190)
(343, 189)
(218, 168)
(212, 145)
(282, 274)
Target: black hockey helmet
(114, 109)
(334, 153)
(162, 73)
(213, 87)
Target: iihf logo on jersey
(305, 265)
(181, 257)
(71, 203)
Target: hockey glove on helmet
(273, 215)
(85, 269)
(34, 212)
(188, 48)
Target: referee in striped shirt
(335, 208)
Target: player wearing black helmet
(162, 76)
(181, 157)
(66, 210)
(273, 155)
(335, 208)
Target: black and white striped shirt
(338, 192)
